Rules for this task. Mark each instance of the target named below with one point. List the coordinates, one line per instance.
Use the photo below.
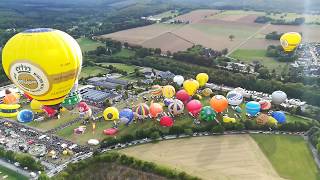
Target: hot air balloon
(219, 103)
(265, 105)
(279, 116)
(262, 119)
(155, 110)
(227, 119)
(234, 98)
(156, 90)
(183, 96)
(178, 79)
(253, 108)
(207, 113)
(25, 116)
(36, 106)
(289, 41)
(168, 91)
(206, 92)
(111, 114)
(278, 97)
(9, 110)
(191, 86)
(43, 62)
(141, 111)
(272, 121)
(84, 110)
(176, 107)
(110, 131)
(71, 101)
(167, 101)
(50, 112)
(166, 121)
(202, 78)
(238, 109)
(194, 107)
(10, 97)
(126, 116)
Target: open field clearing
(166, 14)
(289, 155)
(88, 44)
(219, 157)
(197, 15)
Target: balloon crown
(7, 91)
(38, 30)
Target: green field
(250, 55)
(53, 123)
(125, 53)
(166, 14)
(124, 67)
(12, 175)
(88, 44)
(92, 71)
(289, 155)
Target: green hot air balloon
(207, 113)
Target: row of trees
(277, 53)
(266, 19)
(314, 137)
(274, 35)
(73, 171)
(24, 159)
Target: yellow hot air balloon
(202, 78)
(36, 106)
(43, 62)
(191, 86)
(168, 91)
(111, 114)
(289, 41)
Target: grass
(12, 175)
(250, 55)
(53, 123)
(92, 71)
(289, 155)
(125, 53)
(87, 44)
(124, 67)
(166, 14)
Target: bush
(155, 135)
(188, 131)
(218, 129)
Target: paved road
(14, 168)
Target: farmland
(289, 155)
(220, 157)
(206, 27)
(88, 44)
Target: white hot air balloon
(234, 98)
(178, 79)
(278, 97)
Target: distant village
(308, 59)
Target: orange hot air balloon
(219, 103)
(10, 97)
(155, 110)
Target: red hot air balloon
(166, 121)
(194, 107)
(183, 96)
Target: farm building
(109, 83)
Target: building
(109, 83)
(97, 98)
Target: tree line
(73, 170)
(265, 19)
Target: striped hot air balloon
(141, 111)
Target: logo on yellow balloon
(284, 43)
(29, 77)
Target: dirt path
(216, 157)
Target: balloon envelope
(206, 92)
(126, 116)
(141, 110)
(183, 96)
(194, 107)
(25, 116)
(176, 107)
(43, 62)
(202, 78)
(166, 121)
(279, 116)
(167, 101)
(168, 91)
(156, 90)
(278, 97)
(178, 79)
(207, 113)
(36, 106)
(262, 119)
(11, 98)
(155, 110)
(253, 108)
(234, 98)
(191, 86)
(265, 105)
(111, 113)
(289, 41)
(219, 103)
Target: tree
(107, 103)
(231, 37)
(224, 51)
(126, 45)
(218, 129)
(188, 131)
(264, 73)
(100, 50)
(157, 51)
(142, 52)
(118, 87)
(43, 176)
(155, 135)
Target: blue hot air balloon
(279, 116)
(168, 101)
(25, 116)
(253, 108)
(126, 116)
